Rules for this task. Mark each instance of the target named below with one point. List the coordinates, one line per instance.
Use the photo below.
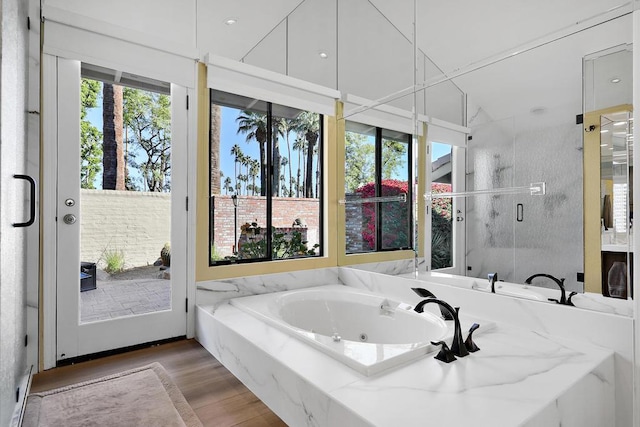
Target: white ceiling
(369, 43)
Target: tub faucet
(493, 278)
(457, 346)
(425, 293)
(559, 282)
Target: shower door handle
(32, 209)
(519, 212)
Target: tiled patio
(117, 298)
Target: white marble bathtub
(368, 332)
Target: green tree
(308, 124)
(90, 136)
(393, 157)
(299, 145)
(254, 125)
(147, 115)
(359, 161)
(284, 129)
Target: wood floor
(217, 397)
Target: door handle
(519, 212)
(32, 208)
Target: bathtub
(368, 332)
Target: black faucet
(493, 278)
(425, 293)
(457, 346)
(559, 282)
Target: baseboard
(21, 404)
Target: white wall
(136, 223)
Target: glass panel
(125, 201)
(238, 178)
(396, 216)
(441, 208)
(296, 187)
(360, 152)
(616, 172)
(265, 196)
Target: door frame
(456, 137)
(180, 212)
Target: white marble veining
(602, 329)
(589, 301)
(517, 378)
(216, 291)
(404, 266)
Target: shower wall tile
(490, 218)
(517, 152)
(549, 238)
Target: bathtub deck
(518, 378)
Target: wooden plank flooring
(217, 397)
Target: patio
(126, 294)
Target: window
(265, 181)
(377, 163)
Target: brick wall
(136, 223)
(253, 209)
(354, 225)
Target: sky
(229, 137)
(94, 115)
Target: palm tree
(254, 169)
(299, 145)
(254, 125)
(308, 124)
(236, 151)
(284, 161)
(215, 149)
(227, 185)
(284, 129)
(113, 166)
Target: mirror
(521, 104)
(522, 111)
(616, 192)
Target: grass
(114, 261)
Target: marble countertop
(519, 377)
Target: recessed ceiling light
(323, 55)
(231, 21)
(619, 123)
(615, 80)
(603, 145)
(604, 131)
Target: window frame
(378, 156)
(269, 190)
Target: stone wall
(136, 223)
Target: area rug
(143, 396)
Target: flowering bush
(441, 206)
(395, 215)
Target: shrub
(395, 215)
(441, 228)
(114, 261)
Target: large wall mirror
(525, 114)
(517, 85)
